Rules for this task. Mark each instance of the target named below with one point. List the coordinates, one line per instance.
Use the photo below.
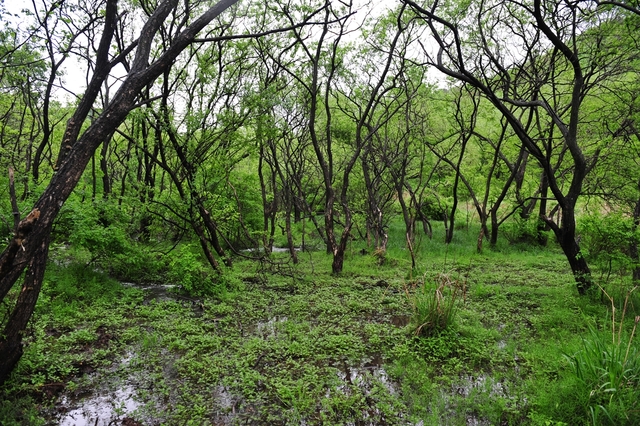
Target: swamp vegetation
(319, 212)
(284, 343)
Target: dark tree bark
(633, 246)
(34, 245)
(518, 84)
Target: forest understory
(302, 212)
(278, 343)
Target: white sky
(74, 70)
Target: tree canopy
(243, 126)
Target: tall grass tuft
(608, 368)
(435, 304)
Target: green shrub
(186, 269)
(138, 264)
(99, 227)
(523, 231)
(196, 277)
(605, 240)
(77, 282)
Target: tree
(200, 144)
(21, 77)
(30, 245)
(385, 158)
(322, 74)
(544, 58)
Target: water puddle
(107, 405)
(470, 387)
(366, 380)
(482, 384)
(229, 407)
(273, 250)
(101, 410)
(365, 375)
(158, 292)
(269, 328)
(166, 293)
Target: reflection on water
(158, 292)
(102, 409)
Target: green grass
(285, 344)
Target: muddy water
(158, 292)
(117, 403)
(102, 409)
(108, 404)
(365, 373)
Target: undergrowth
(499, 338)
(608, 369)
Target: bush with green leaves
(605, 240)
(187, 269)
(140, 264)
(523, 231)
(99, 227)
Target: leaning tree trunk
(565, 235)
(579, 266)
(29, 248)
(11, 342)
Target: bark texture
(29, 248)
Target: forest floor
(293, 345)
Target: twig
(14, 201)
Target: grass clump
(435, 305)
(608, 371)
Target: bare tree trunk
(269, 208)
(287, 224)
(542, 227)
(493, 212)
(566, 237)
(106, 181)
(204, 243)
(11, 342)
(212, 229)
(633, 246)
(29, 248)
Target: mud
(118, 403)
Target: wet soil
(103, 401)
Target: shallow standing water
(101, 409)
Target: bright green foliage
(609, 378)
(187, 270)
(606, 240)
(99, 227)
(607, 367)
(523, 231)
(243, 200)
